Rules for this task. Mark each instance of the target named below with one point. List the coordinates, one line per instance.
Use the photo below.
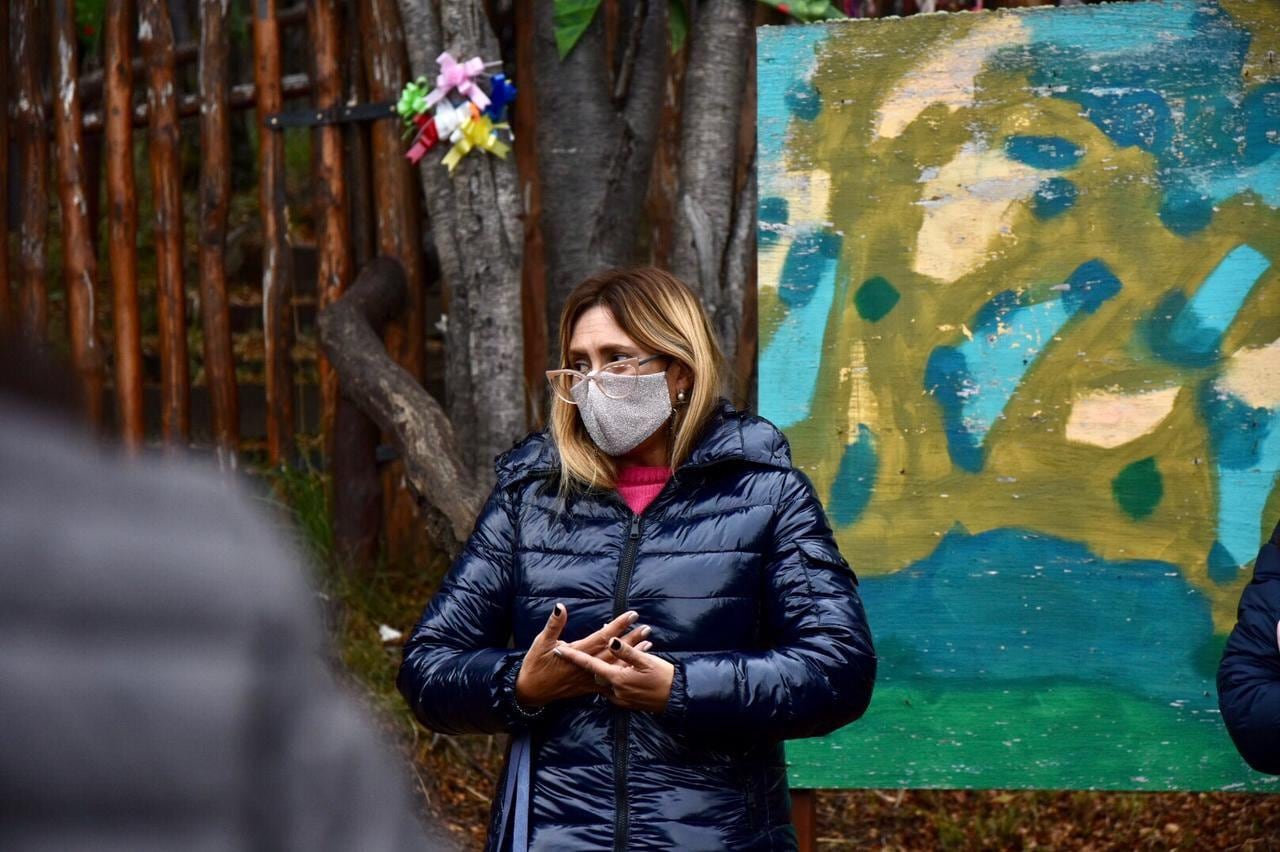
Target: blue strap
(522, 795)
(516, 786)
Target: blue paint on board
(1185, 209)
(1263, 180)
(1091, 284)
(808, 262)
(855, 479)
(1015, 605)
(1053, 197)
(773, 214)
(1245, 442)
(803, 100)
(1125, 83)
(1198, 324)
(788, 369)
(1262, 123)
(1043, 152)
(1140, 118)
(974, 380)
(785, 59)
(1175, 19)
(1220, 297)
(1222, 566)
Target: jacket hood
(729, 435)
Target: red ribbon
(428, 135)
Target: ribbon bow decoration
(413, 100)
(501, 93)
(428, 136)
(460, 76)
(475, 132)
(445, 123)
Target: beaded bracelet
(509, 689)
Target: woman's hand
(637, 681)
(545, 676)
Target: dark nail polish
(615, 644)
(559, 610)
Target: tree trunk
(597, 126)
(475, 220)
(712, 215)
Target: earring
(681, 397)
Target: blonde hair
(660, 313)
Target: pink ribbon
(460, 76)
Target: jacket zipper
(622, 719)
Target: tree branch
(738, 259)
(448, 495)
(622, 81)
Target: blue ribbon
(519, 766)
(501, 93)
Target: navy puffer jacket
(1249, 676)
(735, 568)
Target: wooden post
(357, 489)
(7, 319)
(334, 232)
(804, 807)
(155, 36)
(533, 272)
(387, 70)
(396, 213)
(122, 219)
(34, 134)
(79, 261)
(356, 135)
(215, 196)
(277, 280)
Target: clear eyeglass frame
(616, 380)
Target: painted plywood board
(1020, 319)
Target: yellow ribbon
(474, 133)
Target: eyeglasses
(616, 380)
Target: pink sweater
(638, 485)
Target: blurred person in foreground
(731, 621)
(1249, 675)
(162, 682)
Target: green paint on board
(1138, 488)
(875, 298)
(1025, 736)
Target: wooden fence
(123, 305)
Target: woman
(730, 620)
(1249, 674)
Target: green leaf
(678, 21)
(571, 19)
(806, 10)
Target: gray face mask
(620, 425)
